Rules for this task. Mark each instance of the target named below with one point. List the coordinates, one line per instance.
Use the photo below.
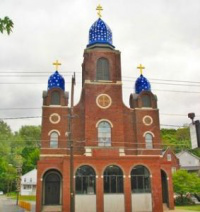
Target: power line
(125, 87)
(40, 108)
(79, 72)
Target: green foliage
(183, 183)
(31, 135)
(183, 201)
(177, 139)
(190, 208)
(195, 151)
(30, 158)
(6, 24)
(19, 148)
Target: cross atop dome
(142, 83)
(141, 68)
(100, 33)
(57, 64)
(99, 9)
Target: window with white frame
(55, 98)
(54, 140)
(169, 157)
(173, 170)
(102, 72)
(149, 141)
(104, 134)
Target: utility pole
(194, 131)
(70, 144)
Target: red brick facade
(128, 128)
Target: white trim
(101, 105)
(104, 120)
(100, 82)
(149, 133)
(52, 155)
(147, 124)
(54, 106)
(54, 130)
(54, 114)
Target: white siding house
(188, 161)
(28, 183)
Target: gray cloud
(161, 34)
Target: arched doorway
(113, 189)
(141, 189)
(165, 194)
(52, 188)
(85, 184)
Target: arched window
(146, 101)
(140, 180)
(149, 141)
(85, 180)
(102, 72)
(52, 188)
(55, 98)
(113, 180)
(54, 140)
(104, 134)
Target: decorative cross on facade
(141, 68)
(99, 9)
(104, 101)
(57, 64)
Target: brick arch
(141, 164)
(51, 197)
(112, 164)
(50, 168)
(149, 133)
(54, 130)
(85, 164)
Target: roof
(30, 172)
(186, 151)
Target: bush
(183, 201)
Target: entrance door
(52, 189)
(165, 195)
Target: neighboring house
(28, 183)
(189, 161)
(170, 157)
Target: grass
(24, 198)
(190, 208)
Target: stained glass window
(104, 134)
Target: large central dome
(100, 33)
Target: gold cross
(57, 64)
(141, 68)
(99, 9)
(104, 101)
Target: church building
(100, 155)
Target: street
(9, 205)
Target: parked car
(1, 192)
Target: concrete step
(52, 208)
(165, 207)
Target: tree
(30, 135)
(6, 24)
(30, 157)
(178, 139)
(184, 182)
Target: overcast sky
(163, 35)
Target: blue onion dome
(100, 33)
(56, 81)
(142, 84)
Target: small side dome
(100, 33)
(56, 81)
(142, 84)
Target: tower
(118, 161)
